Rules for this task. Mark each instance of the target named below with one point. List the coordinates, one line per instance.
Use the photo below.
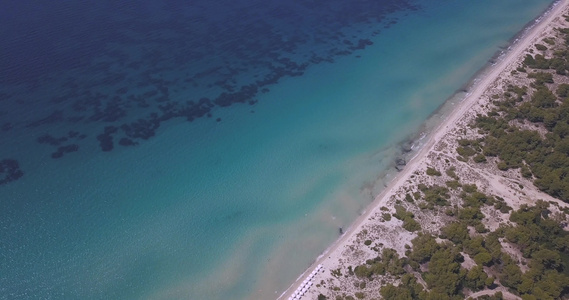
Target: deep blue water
(211, 149)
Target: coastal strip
(348, 250)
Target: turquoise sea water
(228, 209)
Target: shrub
(479, 158)
(451, 173)
(526, 173)
(502, 166)
(470, 215)
(401, 213)
(543, 97)
(455, 232)
(362, 271)
(417, 195)
(549, 41)
(336, 273)
(411, 225)
(541, 77)
(453, 184)
(540, 47)
(502, 207)
(480, 228)
(407, 217)
(537, 62)
(483, 258)
(465, 151)
(470, 188)
(433, 172)
(562, 90)
(436, 195)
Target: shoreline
(443, 122)
(430, 125)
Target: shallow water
(209, 209)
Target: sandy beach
(438, 150)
